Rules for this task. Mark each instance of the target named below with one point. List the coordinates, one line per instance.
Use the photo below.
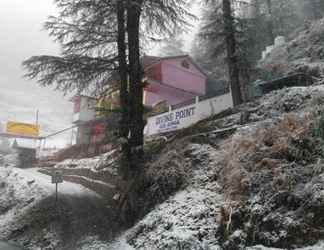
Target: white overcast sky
(22, 36)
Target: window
(185, 64)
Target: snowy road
(6, 246)
(44, 181)
(29, 215)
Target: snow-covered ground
(319, 246)
(44, 182)
(27, 207)
(189, 218)
(97, 163)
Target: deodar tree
(231, 48)
(100, 38)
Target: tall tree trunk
(123, 88)
(270, 22)
(136, 85)
(129, 204)
(231, 52)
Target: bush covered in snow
(304, 53)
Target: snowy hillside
(222, 184)
(260, 186)
(30, 216)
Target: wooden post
(56, 193)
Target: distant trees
(232, 59)
(208, 46)
(172, 47)
(251, 26)
(219, 41)
(313, 9)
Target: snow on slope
(188, 220)
(30, 216)
(18, 193)
(23, 188)
(106, 161)
(319, 246)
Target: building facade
(169, 80)
(172, 80)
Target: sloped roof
(150, 60)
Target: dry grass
(264, 148)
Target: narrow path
(67, 188)
(6, 246)
(79, 213)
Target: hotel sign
(23, 129)
(175, 119)
(187, 116)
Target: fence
(185, 116)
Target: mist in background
(22, 36)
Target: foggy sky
(22, 36)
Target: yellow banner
(26, 129)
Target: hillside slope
(250, 178)
(261, 185)
(304, 52)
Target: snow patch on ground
(27, 200)
(318, 246)
(97, 163)
(187, 219)
(45, 182)
(17, 193)
(93, 243)
(190, 219)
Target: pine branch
(68, 73)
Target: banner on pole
(25, 129)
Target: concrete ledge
(104, 189)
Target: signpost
(57, 177)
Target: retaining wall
(186, 116)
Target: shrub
(265, 148)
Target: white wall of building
(87, 110)
(188, 115)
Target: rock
(31, 182)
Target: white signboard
(187, 116)
(175, 119)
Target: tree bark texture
(135, 85)
(123, 88)
(270, 23)
(232, 53)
